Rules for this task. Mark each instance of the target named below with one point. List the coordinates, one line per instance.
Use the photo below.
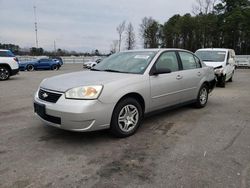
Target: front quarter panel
(114, 91)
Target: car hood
(64, 82)
(213, 64)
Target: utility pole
(55, 46)
(35, 26)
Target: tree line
(215, 24)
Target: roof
(214, 49)
(154, 50)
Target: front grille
(48, 96)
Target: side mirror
(161, 71)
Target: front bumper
(75, 115)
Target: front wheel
(126, 118)
(4, 73)
(202, 97)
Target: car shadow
(51, 134)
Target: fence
(66, 59)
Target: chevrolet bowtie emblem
(45, 95)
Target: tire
(202, 97)
(4, 73)
(30, 68)
(223, 81)
(54, 67)
(126, 118)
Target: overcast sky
(79, 25)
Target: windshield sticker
(221, 53)
(141, 56)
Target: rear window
(6, 54)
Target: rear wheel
(30, 67)
(4, 73)
(126, 118)
(202, 97)
(222, 81)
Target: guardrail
(66, 59)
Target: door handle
(199, 73)
(178, 77)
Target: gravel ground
(185, 147)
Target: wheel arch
(137, 97)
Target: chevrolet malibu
(120, 90)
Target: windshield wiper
(110, 70)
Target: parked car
(8, 64)
(120, 90)
(242, 62)
(223, 61)
(44, 63)
(91, 64)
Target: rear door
(165, 88)
(192, 74)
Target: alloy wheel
(4, 73)
(128, 118)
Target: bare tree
(149, 32)
(120, 29)
(204, 6)
(130, 40)
(113, 47)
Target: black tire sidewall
(6, 69)
(114, 127)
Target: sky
(79, 25)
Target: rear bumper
(14, 72)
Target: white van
(223, 61)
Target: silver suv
(120, 90)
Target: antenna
(35, 26)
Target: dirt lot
(185, 147)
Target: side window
(198, 62)
(188, 61)
(168, 60)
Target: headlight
(218, 71)
(84, 92)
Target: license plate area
(40, 109)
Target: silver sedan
(119, 91)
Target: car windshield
(212, 56)
(126, 62)
(6, 54)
